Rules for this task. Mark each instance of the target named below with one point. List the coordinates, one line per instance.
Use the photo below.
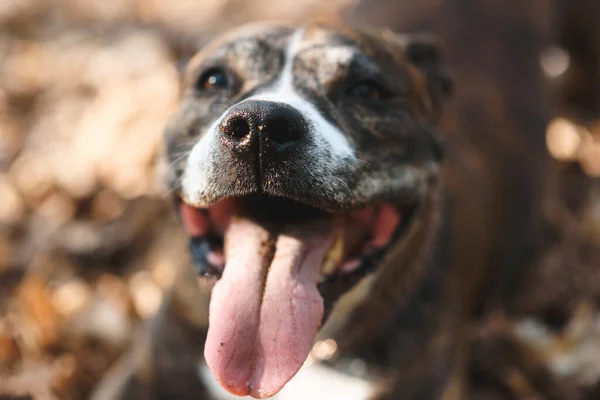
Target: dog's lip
(326, 205)
(181, 197)
(351, 266)
(205, 204)
(335, 285)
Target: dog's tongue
(265, 310)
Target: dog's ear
(424, 51)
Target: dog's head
(300, 156)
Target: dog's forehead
(340, 43)
(307, 35)
(334, 36)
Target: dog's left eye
(367, 90)
(212, 80)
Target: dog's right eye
(212, 80)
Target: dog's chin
(278, 267)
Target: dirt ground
(88, 244)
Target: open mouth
(278, 265)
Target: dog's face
(300, 156)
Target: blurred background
(88, 245)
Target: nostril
(235, 126)
(283, 130)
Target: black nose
(274, 126)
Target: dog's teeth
(350, 266)
(334, 255)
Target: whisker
(180, 157)
(173, 187)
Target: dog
(311, 174)
(314, 158)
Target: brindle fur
(502, 179)
(437, 327)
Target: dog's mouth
(278, 266)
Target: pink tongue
(263, 318)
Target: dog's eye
(212, 80)
(367, 90)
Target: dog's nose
(276, 125)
